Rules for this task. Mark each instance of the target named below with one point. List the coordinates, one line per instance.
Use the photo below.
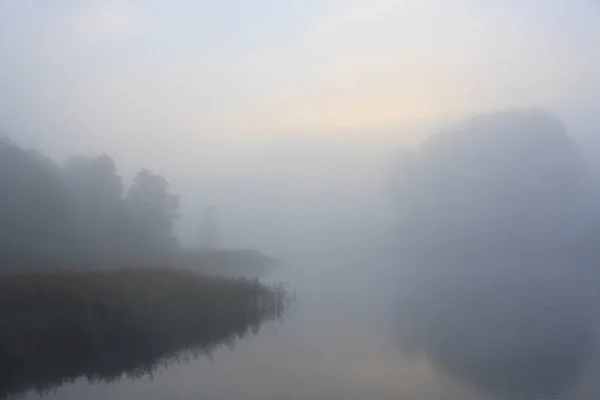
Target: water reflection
(44, 370)
(333, 345)
(506, 331)
(521, 331)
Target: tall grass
(58, 326)
(228, 263)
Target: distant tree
(96, 201)
(209, 229)
(76, 215)
(505, 176)
(97, 177)
(497, 208)
(33, 201)
(153, 210)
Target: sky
(216, 90)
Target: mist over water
(421, 176)
(464, 268)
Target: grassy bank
(228, 263)
(57, 326)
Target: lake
(338, 341)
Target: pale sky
(185, 85)
(257, 68)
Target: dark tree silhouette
(153, 210)
(33, 203)
(76, 215)
(96, 210)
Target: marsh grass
(102, 325)
(227, 263)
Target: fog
(426, 169)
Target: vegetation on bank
(65, 312)
(227, 263)
(102, 325)
(80, 211)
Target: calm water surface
(337, 343)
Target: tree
(499, 200)
(506, 176)
(153, 210)
(209, 229)
(96, 201)
(33, 202)
(75, 215)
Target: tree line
(507, 181)
(503, 214)
(80, 212)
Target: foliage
(33, 201)
(512, 176)
(71, 214)
(153, 209)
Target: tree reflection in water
(104, 326)
(522, 332)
